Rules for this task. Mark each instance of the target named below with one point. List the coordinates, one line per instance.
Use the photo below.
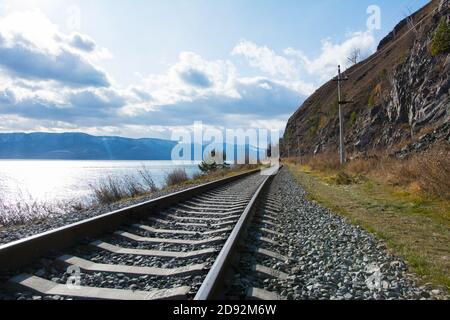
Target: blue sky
(141, 68)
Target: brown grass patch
(413, 226)
(176, 177)
(427, 172)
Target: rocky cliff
(401, 95)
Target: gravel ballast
(329, 258)
(16, 232)
(49, 270)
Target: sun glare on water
(37, 179)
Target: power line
(392, 44)
(345, 78)
(341, 116)
(363, 64)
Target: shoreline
(17, 232)
(13, 233)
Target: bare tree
(355, 56)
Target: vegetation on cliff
(441, 39)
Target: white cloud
(212, 92)
(293, 65)
(32, 48)
(82, 42)
(175, 86)
(334, 54)
(32, 26)
(266, 59)
(56, 85)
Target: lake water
(59, 181)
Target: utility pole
(341, 116)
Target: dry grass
(111, 190)
(26, 210)
(427, 173)
(245, 167)
(323, 162)
(414, 227)
(148, 182)
(198, 176)
(106, 192)
(176, 177)
(223, 173)
(404, 202)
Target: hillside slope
(401, 96)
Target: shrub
(133, 188)
(147, 179)
(343, 178)
(441, 39)
(109, 190)
(403, 58)
(361, 166)
(372, 101)
(353, 118)
(206, 167)
(427, 172)
(210, 164)
(198, 176)
(324, 162)
(115, 189)
(176, 177)
(431, 171)
(26, 209)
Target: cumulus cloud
(334, 54)
(99, 99)
(266, 59)
(31, 47)
(50, 80)
(7, 96)
(24, 61)
(196, 78)
(169, 99)
(259, 98)
(82, 42)
(292, 64)
(190, 78)
(75, 107)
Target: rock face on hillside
(401, 97)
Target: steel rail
(212, 285)
(25, 251)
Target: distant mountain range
(80, 146)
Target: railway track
(183, 246)
(264, 260)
